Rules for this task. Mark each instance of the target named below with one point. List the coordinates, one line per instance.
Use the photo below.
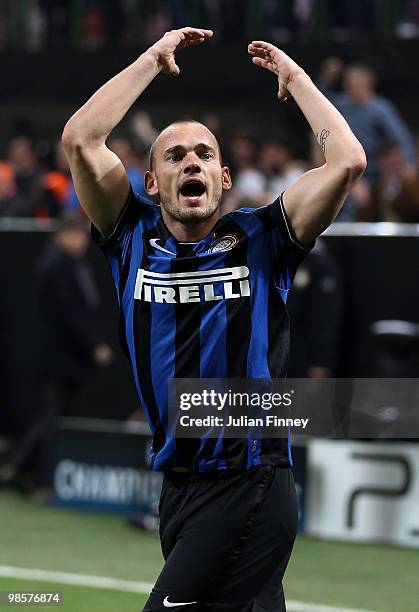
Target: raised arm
(315, 199)
(100, 179)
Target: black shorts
(226, 541)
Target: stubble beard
(191, 216)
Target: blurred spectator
(395, 195)
(57, 187)
(408, 25)
(93, 26)
(7, 186)
(248, 180)
(315, 304)
(280, 167)
(353, 17)
(213, 123)
(143, 132)
(373, 119)
(123, 149)
(67, 344)
(56, 17)
(68, 300)
(197, 12)
(157, 20)
(20, 180)
(288, 19)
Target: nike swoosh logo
(169, 604)
(155, 245)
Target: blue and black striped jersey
(211, 309)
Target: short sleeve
(287, 251)
(117, 245)
(128, 217)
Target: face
(357, 83)
(243, 150)
(21, 154)
(274, 156)
(74, 241)
(187, 175)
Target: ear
(150, 183)
(226, 178)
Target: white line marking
(104, 582)
(299, 606)
(101, 582)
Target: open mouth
(192, 189)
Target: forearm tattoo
(321, 139)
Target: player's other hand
(164, 49)
(270, 57)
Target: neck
(192, 231)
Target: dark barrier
(380, 275)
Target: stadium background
(54, 55)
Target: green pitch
(376, 578)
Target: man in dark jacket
(67, 345)
(67, 305)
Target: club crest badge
(225, 243)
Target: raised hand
(165, 48)
(270, 57)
